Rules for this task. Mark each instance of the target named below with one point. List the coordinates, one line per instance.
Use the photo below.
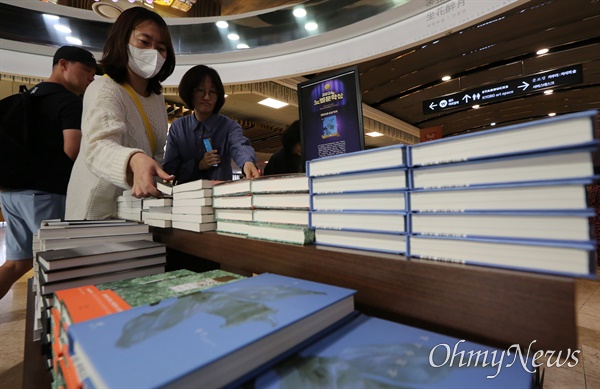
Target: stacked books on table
(129, 207)
(217, 337)
(84, 303)
(266, 331)
(63, 248)
(359, 200)
(513, 197)
(273, 208)
(156, 212)
(192, 206)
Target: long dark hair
(116, 55)
(193, 77)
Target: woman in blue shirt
(186, 154)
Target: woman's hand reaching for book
(140, 175)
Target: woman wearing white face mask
(124, 123)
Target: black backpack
(19, 140)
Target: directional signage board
(506, 90)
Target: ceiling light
(542, 51)
(311, 26)
(222, 24)
(476, 106)
(242, 46)
(73, 40)
(548, 92)
(273, 103)
(552, 114)
(61, 28)
(492, 123)
(446, 78)
(233, 37)
(374, 134)
(50, 17)
(299, 12)
(131, 1)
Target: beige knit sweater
(112, 131)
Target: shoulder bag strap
(142, 112)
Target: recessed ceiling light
(492, 123)
(273, 103)
(222, 24)
(552, 114)
(542, 51)
(311, 26)
(242, 46)
(374, 134)
(548, 92)
(476, 106)
(446, 78)
(299, 12)
(62, 28)
(73, 40)
(233, 37)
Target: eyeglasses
(211, 92)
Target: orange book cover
(88, 303)
(69, 373)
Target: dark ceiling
(494, 52)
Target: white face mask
(145, 63)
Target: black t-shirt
(57, 109)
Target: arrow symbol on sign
(432, 105)
(466, 98)
(524, 86)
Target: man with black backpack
(48, 143)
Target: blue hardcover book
(567, 195)
(386, 179)
(528, 225)
(392, 243)
(554, 257)
(379, 158)
(373, 353)
(540, 135)
(385, 222)
(209, 338)
(554, 165)
(388, 200)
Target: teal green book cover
(151, 289)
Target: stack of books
(129, 207)
(219, 337)
(359, 200)
(273, 208)
(232, 201)
(271, 331)
(156, 212)
(84, 303)
(280, 211)
(58, 234)
(193, 206)
(513, 197)
(64, 246)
